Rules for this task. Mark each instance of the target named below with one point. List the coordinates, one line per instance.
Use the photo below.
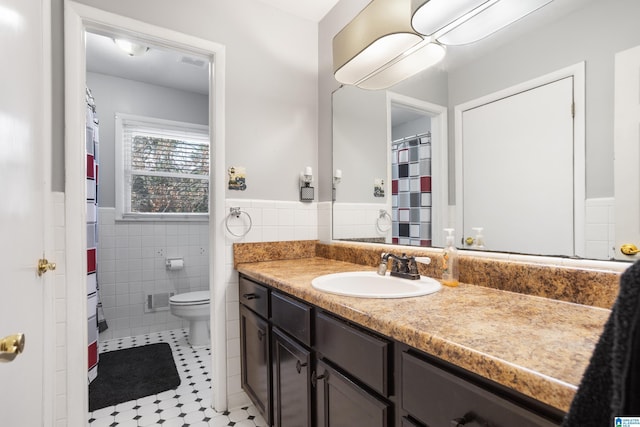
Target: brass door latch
(44, 265)
(11, 346)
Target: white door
(525, 204)
(23, 104)
(626, 137)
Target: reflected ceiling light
(375, 49)
(457, 22)
(131, 48)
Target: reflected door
(517, 169)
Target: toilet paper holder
(175, 263)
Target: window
(162, 168)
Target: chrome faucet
(401, 266)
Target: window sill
(141, 217)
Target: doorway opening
(417, 135)
(82, 23)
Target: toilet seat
(190, 298)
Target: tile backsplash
(600, 228)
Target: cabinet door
(291, 382)
(342, 403)
(256, 360)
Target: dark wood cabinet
(437, 397)
(343, 403)
(292, 391)
(256, 360)
(304, 367)
(406, 422)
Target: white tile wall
(358, 220)
(60, 407)
(270, 221)
(131, 264)
(600, 228)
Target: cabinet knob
(315, 378)
(261, 334)
(300, 365)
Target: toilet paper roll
(175, 264)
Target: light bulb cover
(490, 20)
(131, 48)
(411, 63)
(376, 39)
(458, 22)
(430, 16)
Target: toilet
(194, 307)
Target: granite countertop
(537, 346)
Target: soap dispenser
(478, 242)
(450, 261)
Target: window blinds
(166, 167)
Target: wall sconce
(306, 190)
(463, 22)
(379, 48)
(337, 177)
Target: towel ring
(383, 214)
(236, 212)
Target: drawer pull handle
(468, 418)
(315, 378)
(299, 366)
(250, 296)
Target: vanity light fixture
(337, 177)
(467, 21)
(306, 190)
(131, 48)
(378, 48)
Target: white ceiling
(313, 10)
(157, 66)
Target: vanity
(470, 355)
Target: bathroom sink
(368, 284)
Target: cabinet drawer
(291, 316)
(254, 296)
(436, 398)
(361, 354)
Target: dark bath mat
(132, 373)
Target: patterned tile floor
(186, 406)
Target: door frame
(439, 158)
(77, 19)
(577, 71)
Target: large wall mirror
(400, 159)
